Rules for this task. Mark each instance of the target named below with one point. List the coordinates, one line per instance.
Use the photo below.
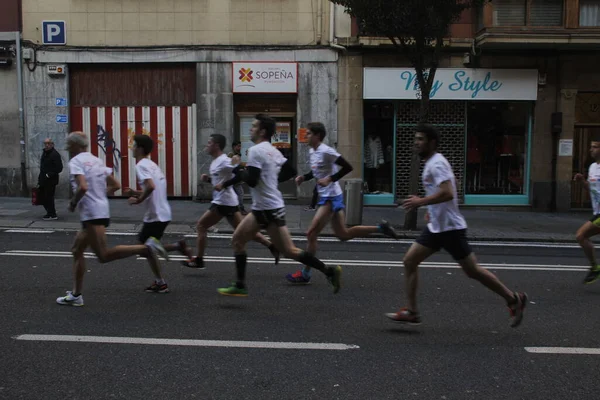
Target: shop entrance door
(580, 198)
(284, 140)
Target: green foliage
(417, 27)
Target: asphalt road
(343, 346)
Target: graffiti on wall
(109, 146)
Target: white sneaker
(157, 247)
(70, 300)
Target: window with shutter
(546, 13)
(510, 12)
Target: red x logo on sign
(246, 75)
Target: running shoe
(233, 290)
(157, 288)
(335, 279)
(70, 300)
(405, 316)
(195, 262)
(517, 308)
(387, 229)
(593, 275)
(298, 278)
(157, 248)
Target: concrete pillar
(564, 167)
(350, 111)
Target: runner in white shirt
(446, 230)
(225, 202)
(324, 164)
(92, 182)
(153, 198)
(591, 227)
(266, 167)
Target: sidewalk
(487, 225)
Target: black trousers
(47, 191)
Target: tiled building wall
(179, 22)
(450, 118)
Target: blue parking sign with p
(54, 32)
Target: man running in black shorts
(591, 227)
(91, 182)
(225, 202)
(447, 229)
(154, 198)
(266, 167)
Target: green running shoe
(233, 290)
(335, 279)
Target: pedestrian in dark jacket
(50, 167)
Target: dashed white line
(189, 342)
(28, 231)
(564, 350)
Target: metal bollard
(353, 196)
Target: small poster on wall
(245, 125)
(282, 137)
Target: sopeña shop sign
(452, 84)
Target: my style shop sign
(453, 84)
(265, 77)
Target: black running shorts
(268, 217)
(224, 211)
(152, 229)
(595, 220)
(454, 242)
(101, 221)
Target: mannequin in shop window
(373, 160)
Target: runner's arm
(112, 185)
(237, 176)
(308, 177)
(345, 170)
(148, 189)
(287, 172)
(82, 188)
(446, 193)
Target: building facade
(179, 71)
(516, 99)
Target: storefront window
(378, 148)
(497, 143)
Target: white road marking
(28, 231)
(563, 350)
(189, 342)
(329, 239)
(346, 263)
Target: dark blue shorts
(337, 202)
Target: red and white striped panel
(111, 130)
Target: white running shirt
(94, 204)
(594, 181)
(322, 164)
(443, 216)
(157, 206)
(266, 195)
(220, 172)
